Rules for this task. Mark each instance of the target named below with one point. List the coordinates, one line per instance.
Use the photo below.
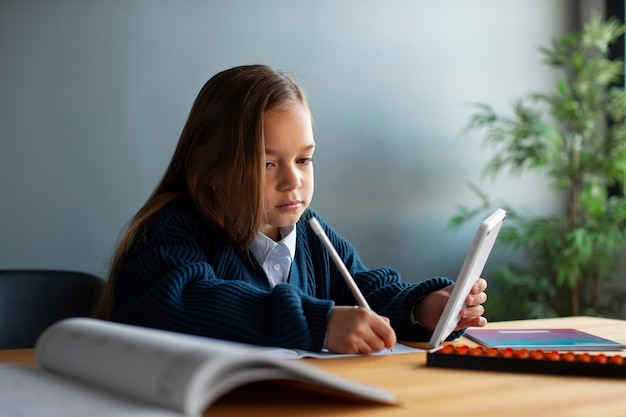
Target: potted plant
(576, 136)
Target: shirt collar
(263, 246)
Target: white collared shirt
(275, 257)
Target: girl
(223, 249)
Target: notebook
(547, 339)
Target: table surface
(433, 391)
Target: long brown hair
(219, 160)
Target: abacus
(528, 361)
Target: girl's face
(289, 146)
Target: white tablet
(470, 271)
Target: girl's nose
(290, 178)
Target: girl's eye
(302, 161)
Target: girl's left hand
(428, 310)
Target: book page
(257, 366)
(148, 364)
(27, 391)
(282, 353)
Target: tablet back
(473, 265)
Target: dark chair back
(31, 300)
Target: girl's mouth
(291, 205)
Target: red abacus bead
(462, 350)
(491, 352)
(616, 360)
(601, 358)
(537, 354)
(522, 354)
(477, 350)
(553, 356)
(568, 357)
(507, 352)
(583, 357)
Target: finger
(383, 331)
(374, 342)
(476, 299)
(472, 322)
(479, 286)
(472, 311)
(371, 344)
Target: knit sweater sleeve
(183, 276)
(383, 289)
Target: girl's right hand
(358, 330)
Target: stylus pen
(317, 228)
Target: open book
(97, 368)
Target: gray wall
(93, 95)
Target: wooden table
(426, 391)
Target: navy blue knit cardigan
(184, 276)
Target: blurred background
(94, 94)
